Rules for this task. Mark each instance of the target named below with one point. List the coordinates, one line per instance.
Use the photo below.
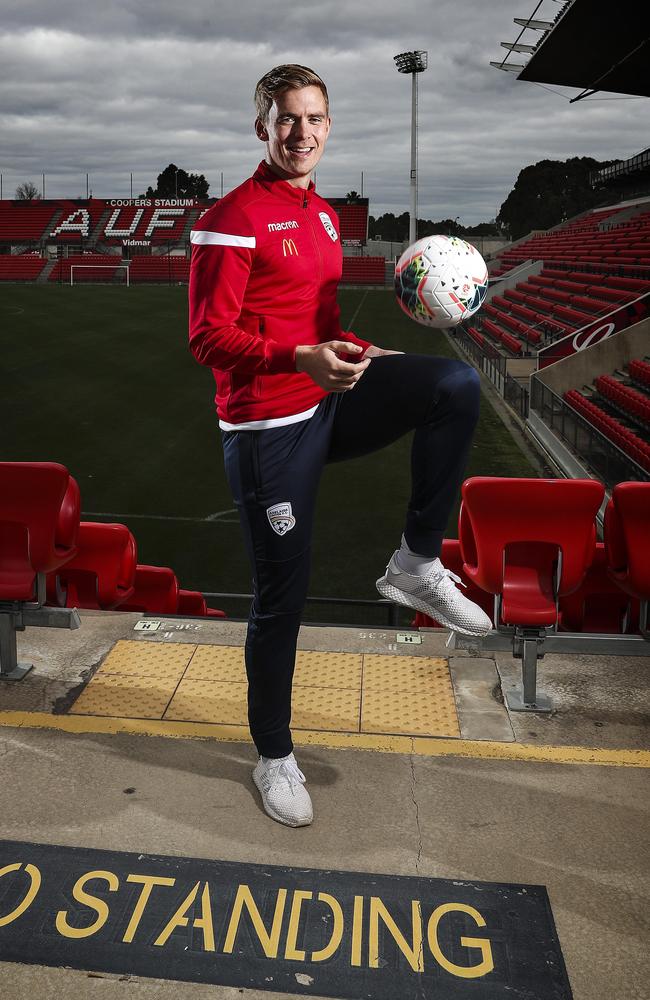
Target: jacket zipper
(315, 240)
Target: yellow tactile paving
(335, 670)
(333, 692)
(409, 695)
(217, 663)
(221, 702)
(148, 659)
(326, 709)
(124, 695)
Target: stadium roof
(596, 45)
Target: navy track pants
(274, 476)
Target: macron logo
(291, 224)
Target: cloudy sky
(113, 86)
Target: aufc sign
(336, 934)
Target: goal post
(100, 267)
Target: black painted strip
(301, 931)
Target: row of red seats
(585, 240)
(631, 400)
(159, 269)
(532, 336)
(23, 267)
(22, 221)
(86, 564)
(508, 341)
(532, 543)
(538, 315)
(476, 336)
(353, 220)
(640, 371)
(555, 294)
(364, 271)
(626, 439)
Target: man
(294, 392)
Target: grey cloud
(124, 86)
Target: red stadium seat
(503, 520)
(102, 574)
(598, 605)
(39, 525)
(627, 541)
(191, 602)
(155, 591)
(529, 542)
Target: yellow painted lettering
(204, 922)
(30, 895)
(464, 972)
(414, 954)
(147, 882)
(291, 951)
(269, 941)
(337, 930)
(93, 902)
(357, 930)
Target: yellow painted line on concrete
(421, 746)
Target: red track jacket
(266, 263)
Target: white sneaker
(281, 784)
(435, 595)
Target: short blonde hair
(290, 76)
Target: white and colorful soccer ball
(441, 281)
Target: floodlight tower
(413, 63)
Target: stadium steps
(52, 224)
(44, 276)
(99, 228)
(192, 216)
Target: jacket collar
(281, 188)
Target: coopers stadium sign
(156, 202)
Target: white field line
(218, 518)
(358, 309)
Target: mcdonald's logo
(289, 247)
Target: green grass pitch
(100, 379)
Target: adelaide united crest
(281, 518)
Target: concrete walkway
(580, 829)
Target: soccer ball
(440, 281)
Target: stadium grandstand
(44, 240)
(504, 776)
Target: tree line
(545, 194)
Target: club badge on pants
(280, 518)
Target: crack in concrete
(417, 816)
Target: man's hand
(378, 352)
(323, 364)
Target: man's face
(295, 134)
